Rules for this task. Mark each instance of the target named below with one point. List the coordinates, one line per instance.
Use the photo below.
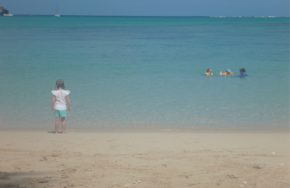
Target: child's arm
(68, 102)
(53, 100)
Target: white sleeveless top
(60, 95)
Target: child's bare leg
(56, 123)
(63, 124)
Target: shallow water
(146, 71)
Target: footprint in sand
(43, 158)
(68, 170)
(43, 181)
(257, 166)
(231, 176)
(55, 155)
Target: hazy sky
(151, 7)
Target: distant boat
(9, 14)
(57, 15)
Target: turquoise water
(145, 71)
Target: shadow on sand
(21, 179)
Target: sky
(150, 7)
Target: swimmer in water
(243, 73)
(209, 72)
(228, 72)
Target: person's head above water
(242, 70)
(208, 70)
(243, 73)
(59, 84)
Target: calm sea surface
(145, 71)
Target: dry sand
(145, 159)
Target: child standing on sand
(60, 104)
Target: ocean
(145, 72)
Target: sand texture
(150, 159)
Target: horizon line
(92, 15)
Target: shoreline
(152, 130)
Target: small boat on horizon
(57, 15)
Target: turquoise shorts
(60, 113)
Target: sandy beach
(144, 159)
